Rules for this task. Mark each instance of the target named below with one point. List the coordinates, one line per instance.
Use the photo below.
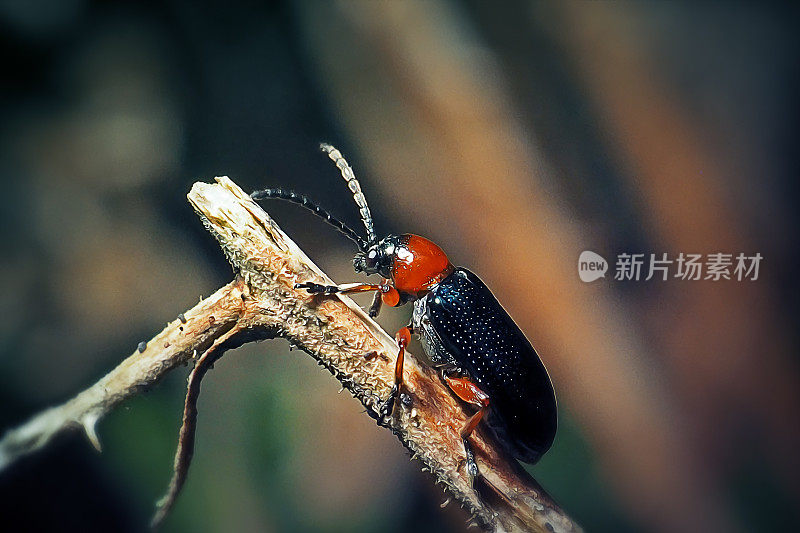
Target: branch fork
(261, 303)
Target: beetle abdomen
(480, 337)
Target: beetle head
(378, 258)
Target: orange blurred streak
(723, 340)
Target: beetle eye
(372, 258)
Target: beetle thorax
(418, 265)
(413, 263)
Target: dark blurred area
(515, 135)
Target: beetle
(483, 355)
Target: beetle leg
(468, 391)
(385, 293)
(375, 308)
(347, 288)
(403, 337)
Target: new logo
(591, 266)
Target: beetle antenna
(352, 184)
(304, 201)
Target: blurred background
(515, 135)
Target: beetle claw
(470, 466)
(406, 401)
(387, 408)
(316, 288)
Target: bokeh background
(514, 134)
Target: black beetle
(485, 358)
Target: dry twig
(183, 455)
(262, 303)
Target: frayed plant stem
(262, 302)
